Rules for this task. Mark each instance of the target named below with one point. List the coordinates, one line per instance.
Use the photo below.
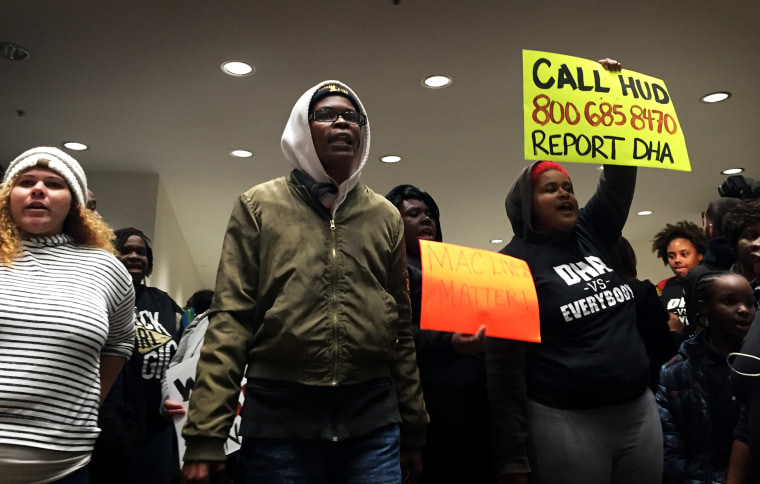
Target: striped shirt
(62, 306)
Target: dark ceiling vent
(13, 52)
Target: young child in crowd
(697, 406)
(681, 247)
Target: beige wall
(139, 200)
(174, 269)
(126, 199)
(649, 266)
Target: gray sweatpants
(616, 444)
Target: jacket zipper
(334, 302)
(334, 317)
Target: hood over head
(519, 201)
(298, 147)
(519, 204)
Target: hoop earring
(728, 361)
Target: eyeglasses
(329, 115)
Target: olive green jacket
(304, 298)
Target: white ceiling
(139, 82)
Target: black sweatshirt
(591, 353)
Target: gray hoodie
(298, 146)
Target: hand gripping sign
(575, 110)
(464, 288)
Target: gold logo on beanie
(333, 88)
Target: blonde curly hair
(84, 226)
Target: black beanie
(333, 90)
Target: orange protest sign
(464, 288)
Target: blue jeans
(371, 459)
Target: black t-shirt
(672, 297)
(130, 418)
(156, 338)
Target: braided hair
(700, 291)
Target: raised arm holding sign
(567, 401)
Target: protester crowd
(316, 313)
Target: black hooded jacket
(591, 353)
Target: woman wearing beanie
(66, 319)
(574, 408)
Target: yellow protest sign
(577, 111)
(464, 288)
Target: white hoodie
(298, 146)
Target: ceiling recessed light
(390, 159)
(732, 171)
(435, 82)
(645, 212)
(715, 97)
(241, 153)
(72, 145)
(496, 241)
(237, 68)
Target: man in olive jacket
(311, 295)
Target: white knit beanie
(56, 160)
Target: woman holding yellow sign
(574, 408)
